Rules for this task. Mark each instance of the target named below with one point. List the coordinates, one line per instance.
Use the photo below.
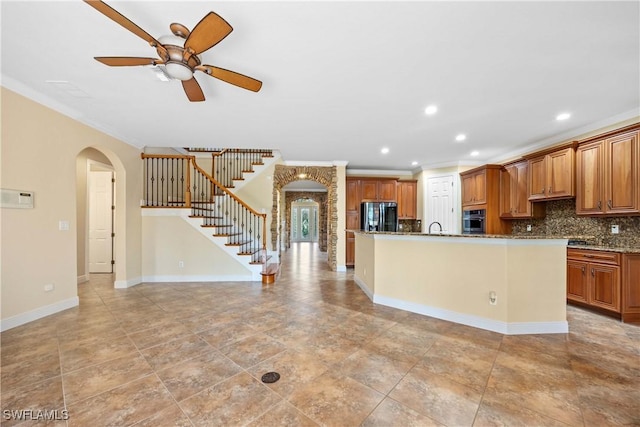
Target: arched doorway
(98, 241)
(326, 176)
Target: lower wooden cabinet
(605, 280)
(630, 288)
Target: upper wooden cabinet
(474, 187)
(514, 193)
(608, 176)
(378, 190)
(407, 199)
(552, 175)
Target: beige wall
(167, 240)
(40, 150)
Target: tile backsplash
(561, 219)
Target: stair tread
(258, 262)
(244, 242)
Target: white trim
(378, 172)
(506, 328)
(84, 278)
(165, 211)
(124, 284)
(230, 278)
(38, 313)
(364, 287)
(341, 268)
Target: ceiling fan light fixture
(178, 70)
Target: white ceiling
(341, 80)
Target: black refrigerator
(379, 216)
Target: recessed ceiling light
(475, 153)
(430, 110)
(563, 116)
(385, 150)
(461, 137)
(414, 163)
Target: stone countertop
(472, 236)
(621, 249)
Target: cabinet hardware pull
(542, 191)
(550, 190)
(583, 269)
(589, 256)
(599, 205)
(593, 273)
(609, 204)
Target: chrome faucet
(439, 225)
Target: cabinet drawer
(601, 257)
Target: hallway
(193, 354)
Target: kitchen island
(505, 284)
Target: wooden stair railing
(231, 164)
(176, 181)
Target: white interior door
(100, 221)
(440, 204)
(304, 222)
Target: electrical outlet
(48, 287)
(493, 298)
(528, 227)
(181, 264)
(615, 229)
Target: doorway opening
(304, 221)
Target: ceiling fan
(179, 52)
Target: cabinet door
(560, 167)
(577, 281)
(589, 162)
(630, 283)
(621, 177)
(387, 190)
(506, 191)
(537, 178)
(351, 250)
(407, 205)
(369, 190)
(468, 189)
(480, 182)
(605, 286)
(520, 194)
(353, 196)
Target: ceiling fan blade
(232, 77)
(116, 16)
(125, 61)
(207, 33)
(193, 90)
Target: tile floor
(192, 354)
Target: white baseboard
(38, 313)
(364, 287)
(341, 268)
(124, 284)
(230, 278)
(84, 278)
(506, 328)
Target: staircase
(177, 181)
